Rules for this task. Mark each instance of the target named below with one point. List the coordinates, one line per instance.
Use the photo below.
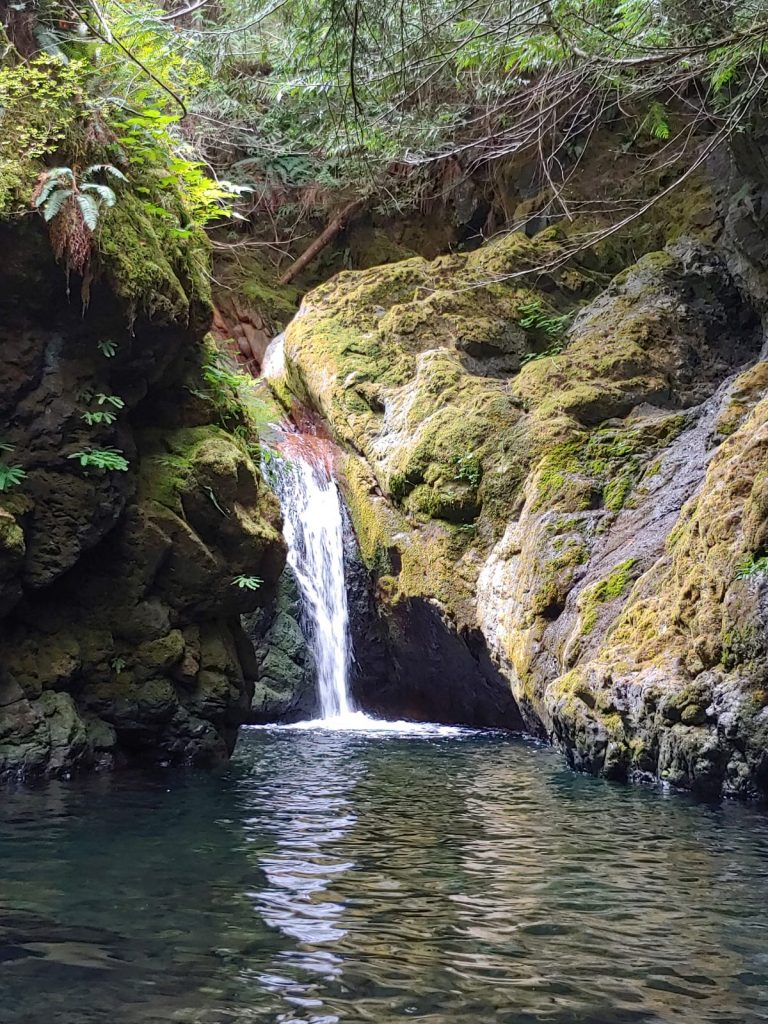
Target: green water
(349, 878)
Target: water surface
(355, 877)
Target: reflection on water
(331, 877)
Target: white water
(314, 532)
(313, 525)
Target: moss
(372, 247)
(11, 537)
(168, 463)
(152, 265)
(608, 589)
(373, 521)
(600, 467)
(249, 276)
(740, 645)
(554, 575)
(747, 390)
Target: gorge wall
(556, 471)
(121, 637)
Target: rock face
(120, 621)
(284, 668)
(558, 487)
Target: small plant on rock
(102, 458)
(749, 567)
(468, 469)
(72, 204)
(93, 417)
(247, 582)
(107, 348)
(10, 475)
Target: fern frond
(55, 203)
(105, 169)
(45, 190)
(60, 172)
(89, 208)
(104, 192)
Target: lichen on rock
(552, 493)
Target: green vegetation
(749, 567)
(102, 458)
(107, 348)
(11, 475)
(292, 110)
(247, 582)
(95, 417)
(613, 586)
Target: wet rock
(284, 673)
(572, 541)
(118, 612)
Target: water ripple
(343, 878)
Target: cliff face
(120, 616)
(557, 483)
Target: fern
(98, 417)
(10, 476)
(104, 192)
(748, 567)
(54, 203)
(102, 458)
(247, 582)
(107, 348)
(656, 122)
(89, 208)
(61, 192)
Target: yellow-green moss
(151, 264)
(601, 593)
(373, 520)
(166, 469)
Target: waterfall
(313, 524)
(314, 531)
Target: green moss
(373, 521)
(599, 467)
(155, 268)
(167, 466)
(554, 575)
(11, 537)
(250, 277)
(740, 645)
(601, 593)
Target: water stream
(313, 525)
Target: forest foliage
(290, 107)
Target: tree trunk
(338, 223)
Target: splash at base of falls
(359, 722)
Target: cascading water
(313, 524)
(314, 531)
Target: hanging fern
(73, 206)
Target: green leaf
(55, 203)
(90, 210)
(104, 192)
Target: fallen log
(337, 225)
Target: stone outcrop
(557, 485)
(121, 639)
(283, 666)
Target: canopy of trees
(319, 105)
